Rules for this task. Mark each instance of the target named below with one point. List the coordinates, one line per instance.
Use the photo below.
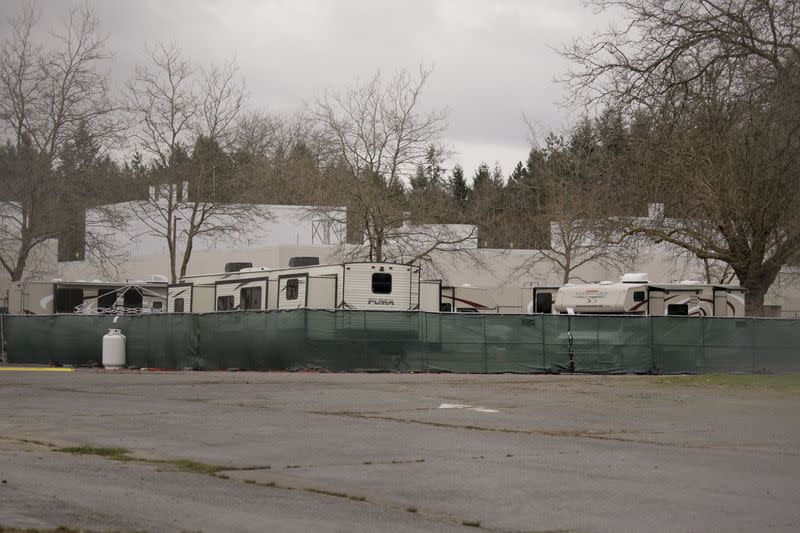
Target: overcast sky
(493, 61)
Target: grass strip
(177, 465)
(789, 383)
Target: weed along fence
(415, 342)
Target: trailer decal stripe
(473, 304)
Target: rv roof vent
(303, 261)
(158, 278)
(253, 269)
(637, 277)
(606, 283)
(56, 280)
(690, 282)
(236, 267)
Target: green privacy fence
(416, 342)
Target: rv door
(292, 290)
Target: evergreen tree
(518, 175)
(419, 181)
(459, 189)
(212, 172)
(481, 178)
(434, 171)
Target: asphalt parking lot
(215, 451)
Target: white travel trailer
(31, 297)
(365, 286)
(633, 294)
(720, 299)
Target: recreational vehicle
(372, 286)
(719, 299)
(634, 294)
(88, 297)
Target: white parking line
(470, 407)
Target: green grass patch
(195, 467)
(116, 454)
(175, 465)
(789, 383)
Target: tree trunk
(754, 301)
(22, 256)
(756, 283)
(187, 254)
(19, 267)
(172, 252)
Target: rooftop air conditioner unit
(236, 267)
(303, 261)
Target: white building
(291, 231)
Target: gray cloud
(492, 60)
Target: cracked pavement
(365, 452)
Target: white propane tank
(114, 349)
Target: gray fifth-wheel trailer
(360, 286)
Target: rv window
(157, 306)
(292, 289)
(107, 298)
(225, 303)
(178, 305)
(544, 302)
(67, 299)
(446, 308)
(381, 283)
(250, 298)
(638, 296)
(678, 309)
(132, 298)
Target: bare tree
(579, 230)
(46, 96)
(184, 123)
(719, 80)
(223, 95)
(378, 136)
